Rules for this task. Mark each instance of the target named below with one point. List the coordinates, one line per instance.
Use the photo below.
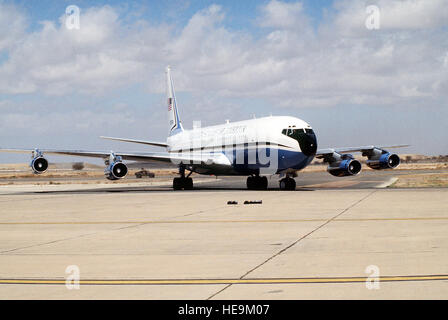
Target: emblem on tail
(175, 125)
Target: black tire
(250, 183)
(257, 183)
(291, 184)
(177, 184)
(282, 184)
(263, 183)
(188, 184)
(288, 184)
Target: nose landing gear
(257, 183)
(287, 184)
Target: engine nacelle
(116, 170)
(39, 164)
(346, 166)
(384, 161)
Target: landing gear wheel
(182, 183)
(177, 184)
(263, 183)
(287, 184)
(188, 184)
(257, 183)
(250, 183)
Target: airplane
(257, 148)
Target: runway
(148, 242)
(307, 181)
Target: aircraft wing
(322, 153)
(150, 143)
(177, 158)
(341, 163)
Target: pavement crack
(66, 239)
(295, 242)
(46, 243)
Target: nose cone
(308, 143)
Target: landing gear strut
(183, 182)
(257, 183)
(288, 184)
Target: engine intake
(39, 165)
(347, 166)
(384, 161)
(116, 170)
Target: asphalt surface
(355, 239)
(304, 181)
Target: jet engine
(115, 169)
(381, 159)
(346, 165)
(39, 164)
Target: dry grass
(23, 175)
(422, 180)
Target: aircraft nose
(308, 144)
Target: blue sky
(315, 60)
(241, 13)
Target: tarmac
(329, 239)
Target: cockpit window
(293, 133)
(305, 137)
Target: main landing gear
(288, 184)
(257, 183)
(183, 182)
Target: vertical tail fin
(175, 125)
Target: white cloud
(101, 55)
(12, 25)
(397, 15)
(291, 64)
(413, 14)
(278, 14)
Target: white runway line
(387, 183)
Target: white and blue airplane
(256, 148)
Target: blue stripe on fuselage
(286, 159)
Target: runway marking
(387, 183)
(333, 184)
(226, 281)
(289, 246)
(222, 221)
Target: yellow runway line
(226, 281)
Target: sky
(358, 78)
